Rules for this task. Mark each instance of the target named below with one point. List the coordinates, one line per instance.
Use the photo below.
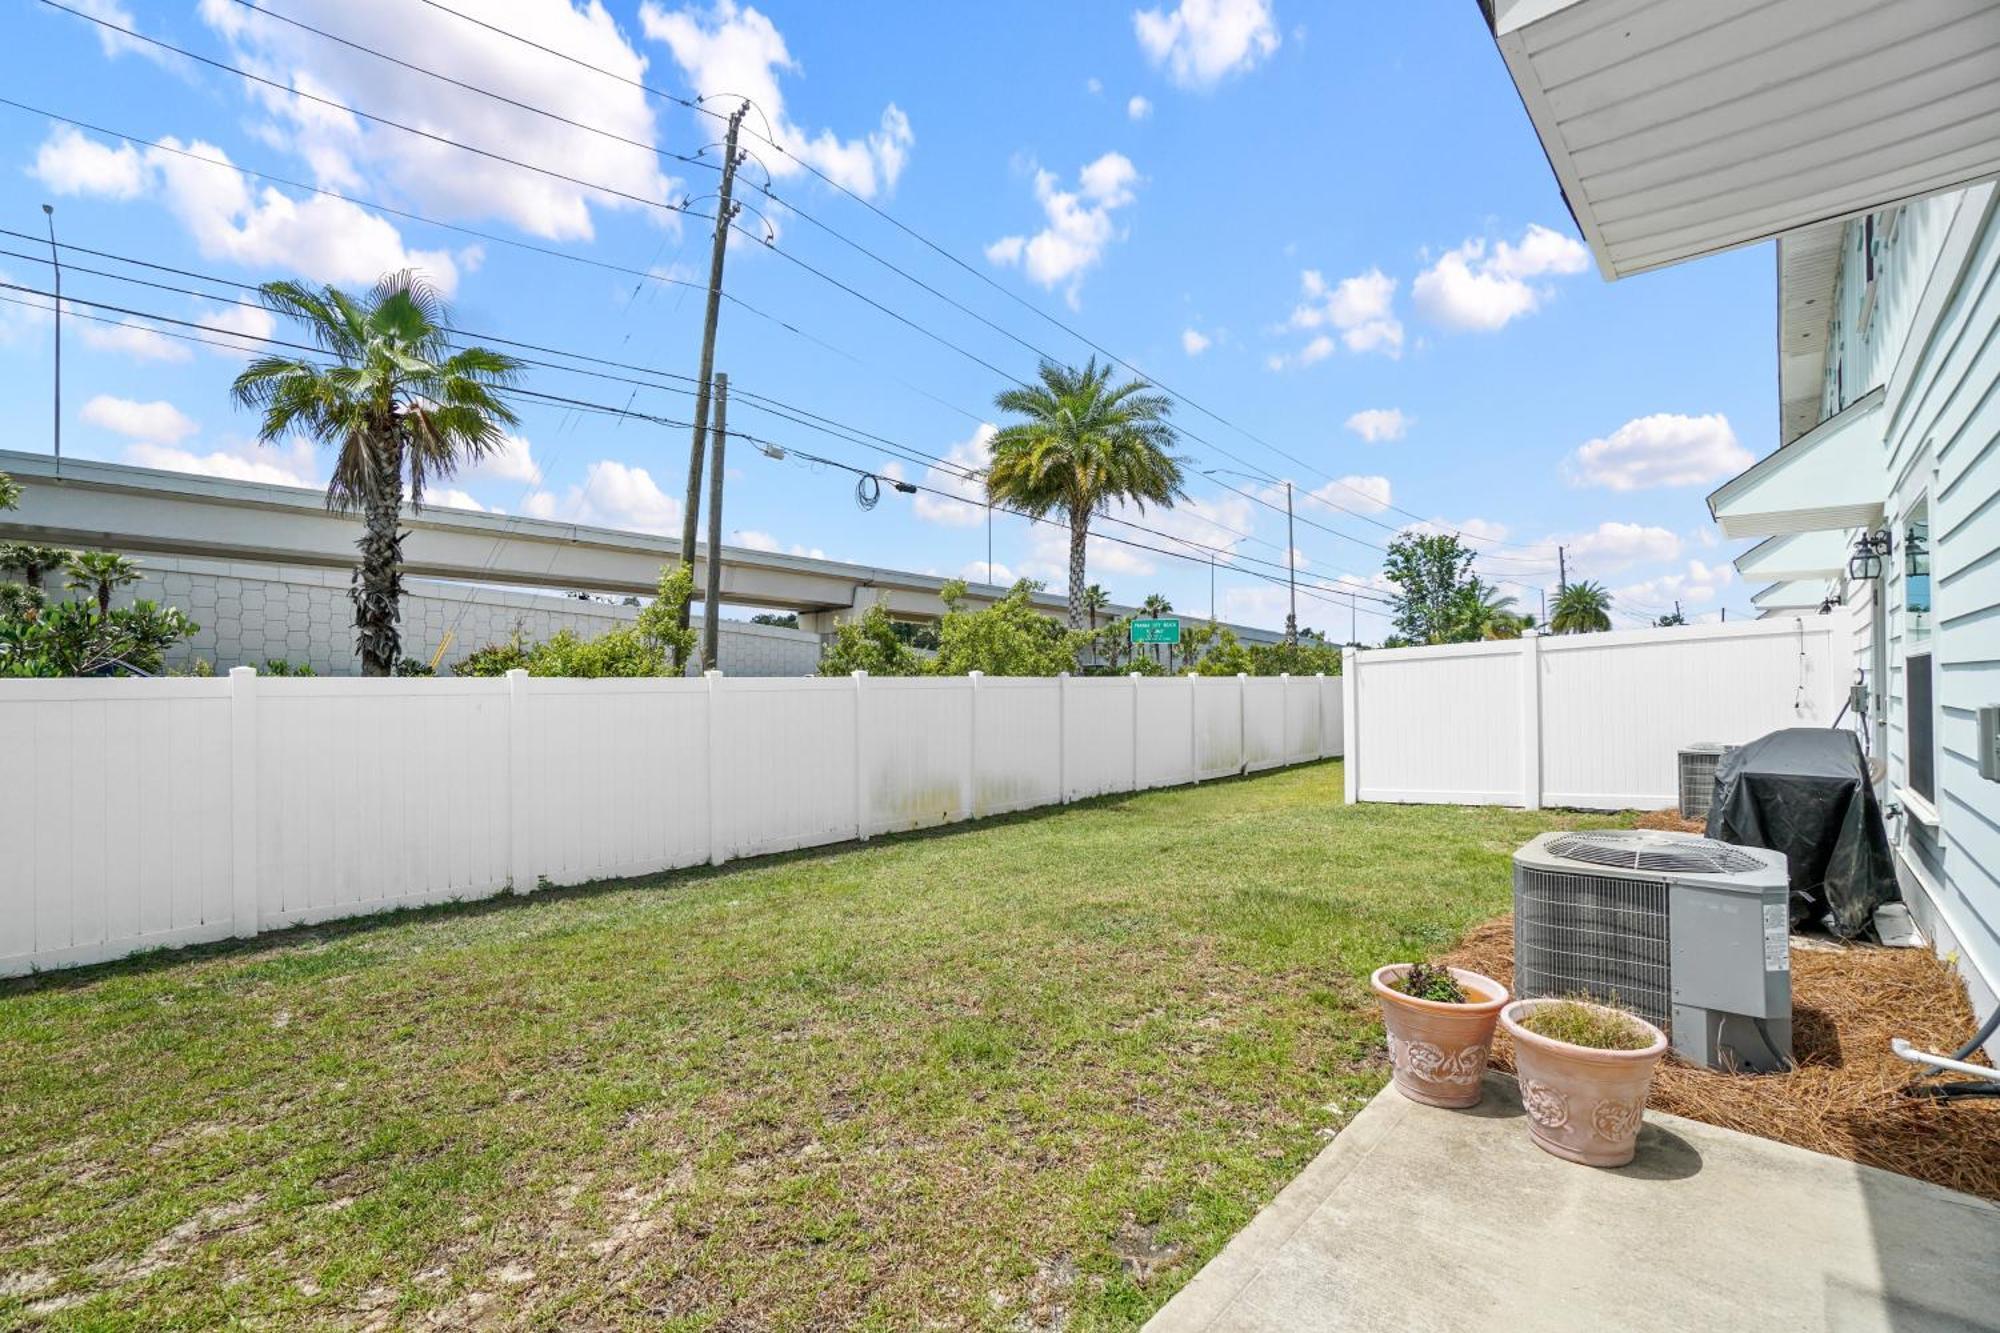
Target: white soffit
(1831, 477)
(1683, 127)
(1802, 555)
(1808, 276)
(1791, 595)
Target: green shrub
(1430, 981)
(278, 666)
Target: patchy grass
(1024, 1074)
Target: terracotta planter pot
(1438, 1051)
(1584, 1105)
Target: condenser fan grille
(1635, 849)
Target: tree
(1582, 608)
(1095, 600)
(1081, 444)
(1435, 585)
(10, 492)
(870, 644)
(33, 563)
(399, 405)
(655, 644)
(1009, 638)
(1490, 614)
(99, 573)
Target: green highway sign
(1156, 631)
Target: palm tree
(399, 404)
(1095, 599)
(1491, 615)
(33, 562)
(1153, 608)
(1082, 444)
(10, 492)
(1581, 608)
(100, 573)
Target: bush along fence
(140, 814)
(1593, 721)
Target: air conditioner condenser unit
(1687, 932)
(1696, 765)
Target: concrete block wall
(251, 613)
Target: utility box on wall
(1989, 742)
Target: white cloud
(130, 339)
(157, 422)
(1365, 495)
(1664, 449)
(1474, 529)
(1194, 342)
(243, 327)
(1138, 108)
(1377, 424)
(971, 455)
(730, 51)
(976, 571)
(1093, 85)
(344, 151)
(754, 540)
(293, 465)
(1614, 546)
(317, 237)
(1482, 288)
(513, 459)
(70, 164)
(116, 44)
(1699, 584)
(613, 495)
(1360, 310)
(450, 497)
(1080, 224)
(1201, 42)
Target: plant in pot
(1584, 1070)
(1440, 1022)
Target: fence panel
(1303, 723)
(114, 818)
(1166, 731)
(1019, 745)
(1616, 710)
(1440, 725)
(785, 765)
(1333, 721)
(1263, 722)
(1097, 736)
(1218, 726)
(917, 747)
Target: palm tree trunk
(1079, 537)
(378, 580)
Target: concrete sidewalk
(1416, 1218)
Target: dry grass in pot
(1582, 1023)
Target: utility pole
(989, 542)
(55, 258)
(1291, 573)
(1677, 608)
(1211, 587)
(711, 600)
(1353, 633)
(1562, 570)
(725, 213)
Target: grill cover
(1804, 791)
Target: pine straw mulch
(1844, 1098)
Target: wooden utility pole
(711, 598)
(725, 213)
(1562, 570)
(1291, 574)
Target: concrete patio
(1418, 1218)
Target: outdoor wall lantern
(1866, 562)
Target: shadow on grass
(279, 940)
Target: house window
(1921, 765)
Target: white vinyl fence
(139, 814)
(1589, 720)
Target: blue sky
(1333, 226)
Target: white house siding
(1934, 339)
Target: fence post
(1135, 730)
(520, 839)
(712, 680)
(971, 792)
(1319, 702)
(1531, 720)
(1284, 719)
(1242, 722)
(1194, 731)
(244, 903)
(860, 769)
(1062, 738)
(1350, 723)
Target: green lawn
(1029, 1073)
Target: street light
(1291, 550)
(55, 258)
